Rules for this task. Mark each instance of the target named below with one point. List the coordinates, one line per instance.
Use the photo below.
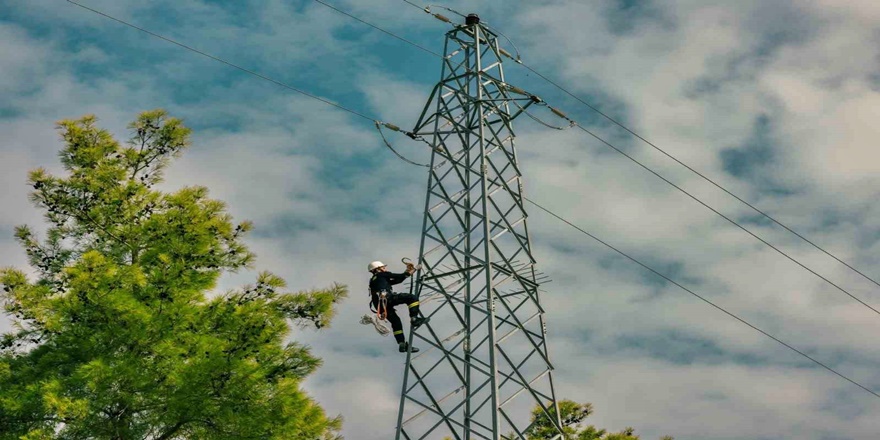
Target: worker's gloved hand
(410, 268)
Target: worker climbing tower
(484, 363)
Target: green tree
(573, 415)
(117, 337)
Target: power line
(235, 66)
(385, 31)
(388, 145)
(414, 5)
(702, 298)
(704, 177)
(378, 123)
(614, 121)
(427, 9)
(733, 222)
(670, 280)
(380, 29)
(527, 199)
(654, 172)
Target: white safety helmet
(375, 265)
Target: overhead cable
(701, 175)
(379, 126)
(539, 120)
(702, 298)
(670, 280)
(235, 66)
(378, 28)
(519, 61)
(725, 217)
(614, 121)
(378, 123)
(414, 5)
(529, 200)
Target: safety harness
(381, 307)
(380, 311)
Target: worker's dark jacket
(382, 282)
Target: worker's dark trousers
(396, 299)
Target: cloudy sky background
(777, 101)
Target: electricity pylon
(484, 363)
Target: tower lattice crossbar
(484, 363)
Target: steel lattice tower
(484, 363)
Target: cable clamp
(380, 124)
(516, 89)
(535, 98)
(388, 125)
(515, 59)
(559, 113)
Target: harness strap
(382, 312)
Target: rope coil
(371, 320)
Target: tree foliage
(573, 416)
(117, 337)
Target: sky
(776, 101)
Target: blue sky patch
(728, 74)
(681, 348)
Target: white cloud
(693, 77)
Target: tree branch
(172, 430)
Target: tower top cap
(472, 19)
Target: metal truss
(484, 364)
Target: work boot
(418, 321)
(401, 347)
